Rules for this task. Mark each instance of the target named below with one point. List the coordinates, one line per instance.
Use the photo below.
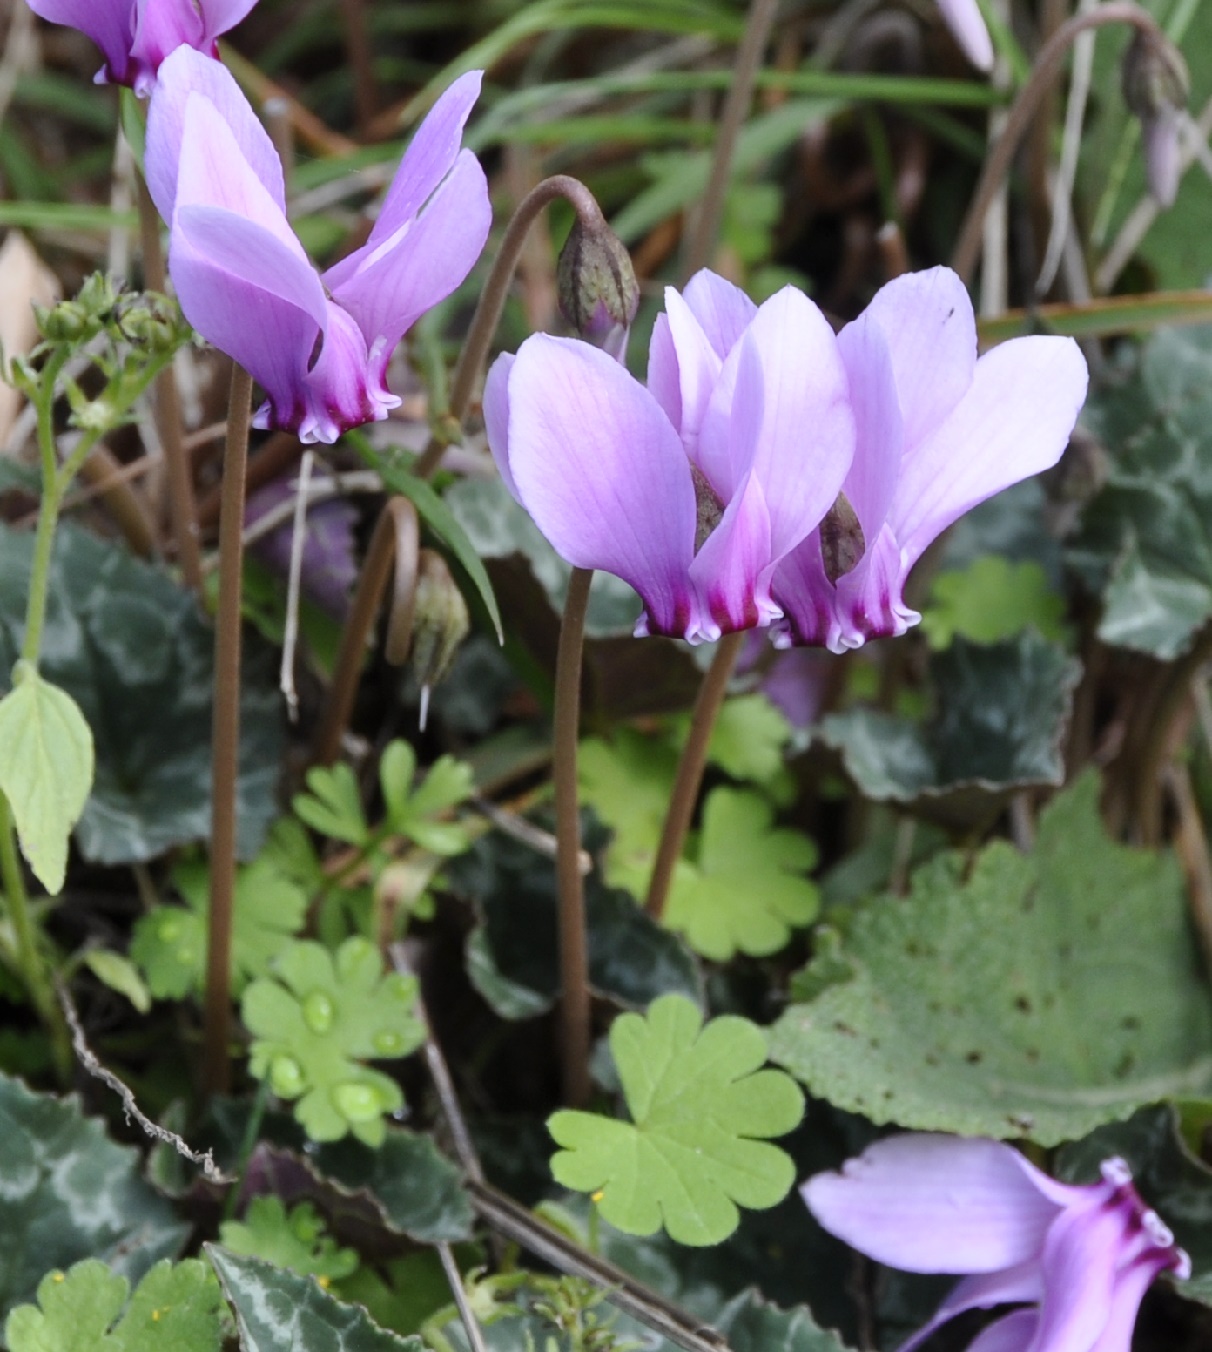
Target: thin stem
(167, 408)
(361, 64)
(748, 61)
(1047, 66)
(496, 290)
(29, 959)
(574, 958)
(690, 770)
(48, 512)
(225, 744)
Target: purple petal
(1130, 1287)
(496, 415)
(602, 472)
(1008, 1286)
(732, 570)
(160, 28)
(410, 271)
(342, 389)
(964, 19)
(930, 1203)
(723, 310)
(879, 432)
(107, 22)
(1014, 421)
(1012, 1334)
(186, 73)
(219, 16)
(1080, 1260)
(797, 683)
(790, 419)
(697, 374)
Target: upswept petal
(932, 1203)
(184, 73)
(160, 28)
(1079, 1263)
(341, 390)
(870, 600)
(723, 310)
(807, 598)
(1011, 1334)
(219, 16)
(1008, 1286)
(1014, 421)
(879, 431)
(791, 423)
(928, 325)
(107, 22)
(664, 379)
(967, 24)
(1130, 1287)
(731, 572)
(602, 471)
(408, 272)
(496, 416)
(698, 374)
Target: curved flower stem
(168, 411)
(690, 770)
(225, 744)
(748, 61)
(574, 959)
(496, 289)
(393, 545)
(1047, 66)
(29, 959)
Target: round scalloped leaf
(1018, 995)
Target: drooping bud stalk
(440, 623)
(1155, 87)
(842, 542)
(596, 286)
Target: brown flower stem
(167, 407)
(1043, 74)
(574, 956)
(492, 299)
(690, 770)
(225, 744)
(102, 473)
(392, 552)
(361, 65)
(758, 23)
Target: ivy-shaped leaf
(314, 1025)
(333, 805)
(747, 890)
(169, 942)
(695, 1149)
(279, 1311)
(415, 813)
(295, 1240)
(175, 1308)
(46, 770)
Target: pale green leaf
(119, 974)
(296, 1240)
(333, 804)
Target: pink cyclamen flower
(136, 35)
(1080, 1257)
(694, 488)
(938, 431)
(318, 344)
(967, 26)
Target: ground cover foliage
(299, 1066)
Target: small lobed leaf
(991, 600)
(46, 770)
(416, 813)
(279, 1311)
(701, 1108)
(333, 804)
(746, 892)
(317, 1021)
(295, 1240)
(628, 781)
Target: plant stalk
(574, 956)
(225, 745)
(690, 771)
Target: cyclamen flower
(136, 35)
(1081, 1258)
(694, 488)
(938, 431)
(967, 26)
(318, 344)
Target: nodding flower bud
(439, 624)
(1155, 87)
(596, 285)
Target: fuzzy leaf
(295, 1240)
(943, 1025)
(700, 1106)
(46, 770)
(315, 1024)
(747, 890)
(280, 1311)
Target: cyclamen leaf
(700, 1106)
(280, 1311)
(747, 890)
(46, 770)
(174, 1309)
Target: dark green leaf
(1092, 1010)
(752, 1324)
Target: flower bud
(440, 623)
(596, 285)
(1155, 88)
(67, 322)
